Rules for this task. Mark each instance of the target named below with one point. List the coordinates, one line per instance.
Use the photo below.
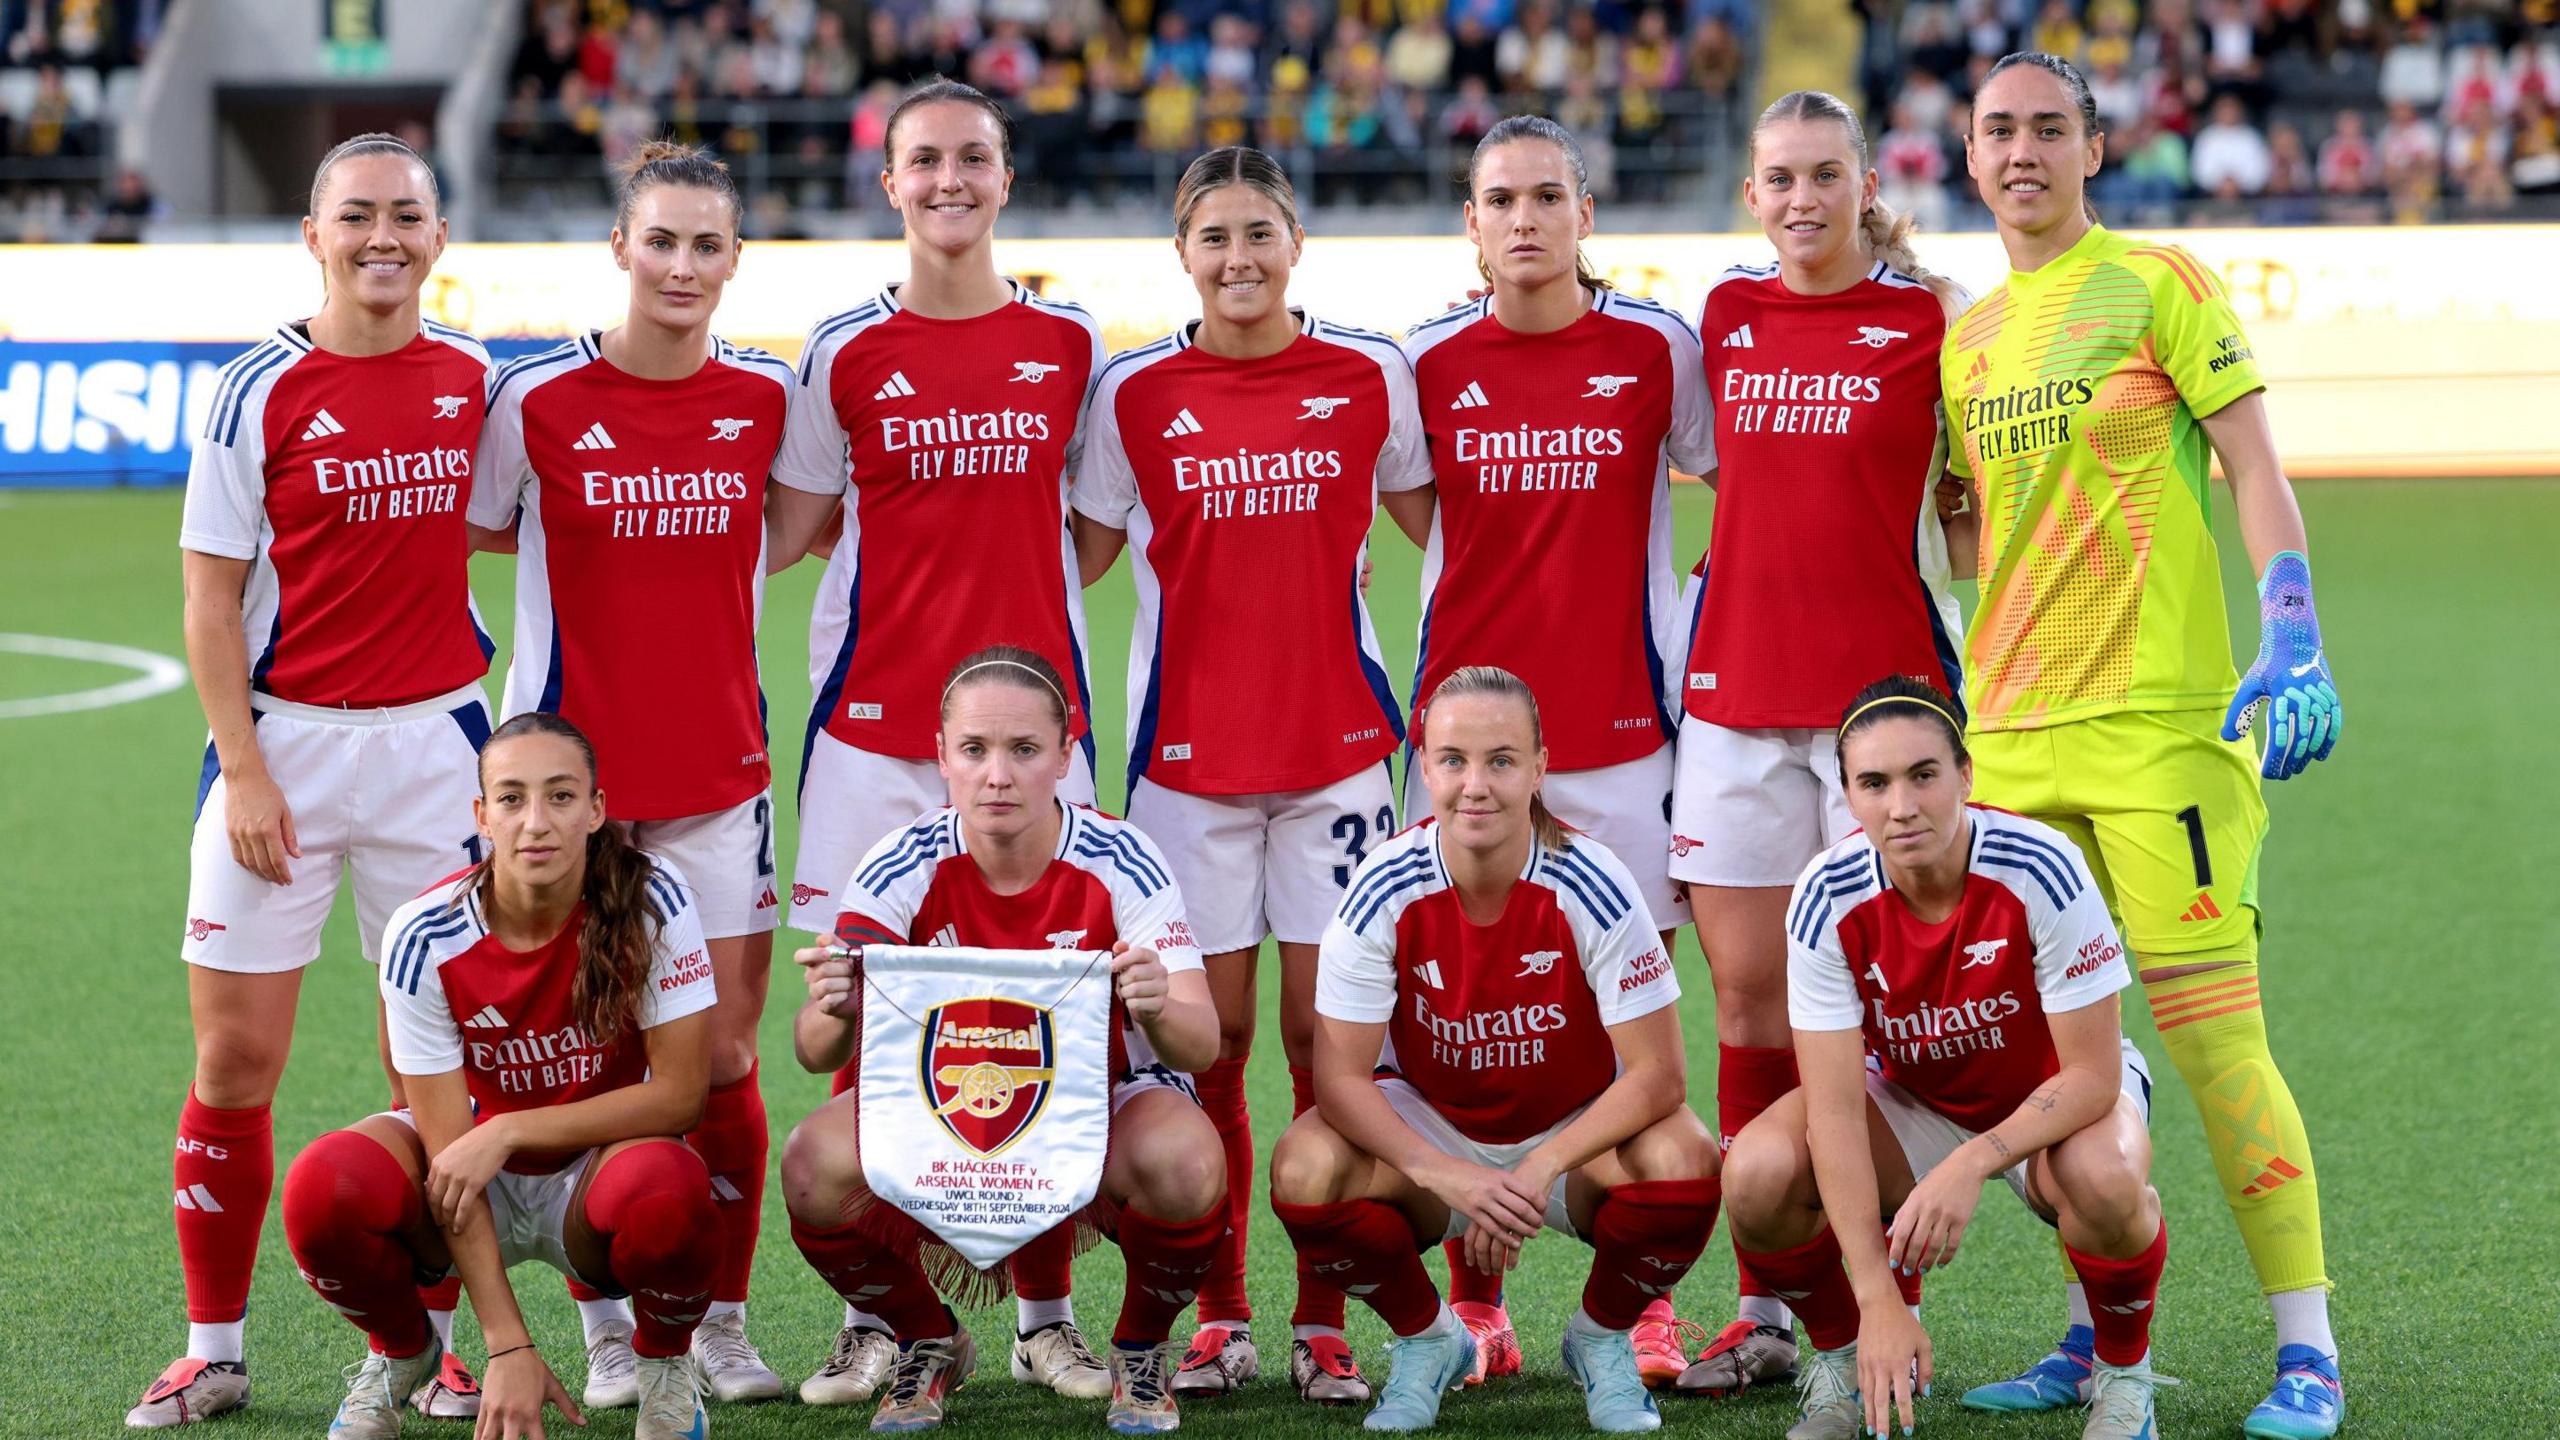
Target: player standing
(1915, 950)
(2092, 392)
(543, 1009)
(1556, 409)
(338, 658)
(1822, 368)
(1497, 1051)
(631, 463)
(942, 417)
(1243, 456)
(1007, 865)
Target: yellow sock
(2217, 1037)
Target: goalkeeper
(2087, 398)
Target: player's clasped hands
(1503, 1210)
(513, 1389)
(1139, 979)
(1893, 1364)
(829, 970)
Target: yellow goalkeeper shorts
(2168, 813)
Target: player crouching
(1915, 951)
(1508, 975)
(545, 1014)
(1006, 865)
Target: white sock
(2302, 1318)
(865, 1320)
(718, 1308)
(594, 1315)
(1032, 1316)
(1766, 1310)
(1582, 1324)
(1310, 1332)
(442, 1320)
(1443, 1324)
(215, 1343)
(2076, 1295)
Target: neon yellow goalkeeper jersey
(2075, 391)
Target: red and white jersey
(454, 998)
(639, 514)
(1247, 488)
(1502, 1027)
(342, 478)
(1108, 883)
(1550, 551)
(1954, 1012)
(957, 438)
(1827, 568)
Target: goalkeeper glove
(2291, 675)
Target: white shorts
(385, 794)
(1150, 1077)
(1753, 807)
(727, 857)
(850, 797)
(529, 1212)
(1928, 1138)
(1431, 1125)
(1626, 807)
(1256, 865)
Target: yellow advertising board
(2387, 351)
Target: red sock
(581, 1291)
(1167, 1262)
(1644, 1237)
(1749, 1079)
(445, 1295)
(1319, 1303)
(1468, 1284)
(1045, 1268)
(226, 1171)
(1221, 1087)
(2121, 1293)
(348, 1208)
(1809, 1278)
(1906, 1281)
(846, 1078)
(1370, 1245)
(651, 1205)
(873, 1278)
(732, 1141)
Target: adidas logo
(1429, 973)
(2203, 909)
(1980, 369)
(1183, 424)
(198, 1198)
(725, 1192)
(947, 938)
(594, 439)
(1470, 398)
(487, 1019)
(1739, 339)
(322, 426)
(896, 389)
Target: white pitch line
(159, 674)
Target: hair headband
(1045, 682)
(1932, 706)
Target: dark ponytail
(1495, 682)
(619, 935)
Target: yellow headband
(1931, 706)
(1044, 680)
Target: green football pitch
(2410, 986)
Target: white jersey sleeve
(417, 1020)
(1084, 415)
(1622, 955)
(680, 982)
(1356, 960)
(1146, 903)
(1822, 992)
(1404, 463)
(2079, 960)
(226, 504)
(888, 887)
(815, 450)
(503, 471)
(1691, 445)
(1106, 488)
